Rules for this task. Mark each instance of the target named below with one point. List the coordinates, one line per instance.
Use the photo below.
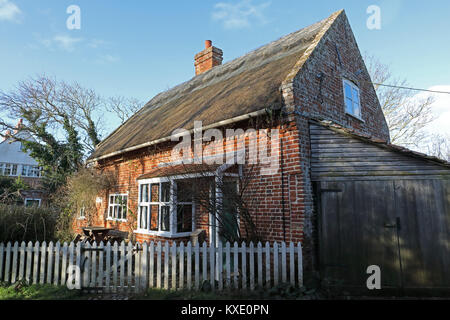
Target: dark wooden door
(402, 226)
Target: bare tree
(438, 145)
(406, 114)
(45, 102)
(123, 107)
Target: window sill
(163, 234)
(355, 117)
(116, 220)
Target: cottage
(268, 98)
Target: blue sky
(139, 48)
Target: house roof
(379, 142)
(240, 87)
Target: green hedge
(19, 223)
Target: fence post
(235, 265)
(244, 265)
(122, 259)
(138, 272)
(212, 269)
(260, 272)
(7, 262)
(275, 264)
(219, 266)
(144, 265)
(181, 273)
(36, 262)
(93, 280)
(291, 264)
(228, 265)
(108, 268)
(100, 265)
(158, 265)
(166, 265)
(204, 261)
(252, 267)
(78, 277)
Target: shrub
(19, 223)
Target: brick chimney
(208, 58)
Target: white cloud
(240, 14)
(66, 42)
(107, 58)
(9, 11)
(441, 110)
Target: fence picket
(49, 262)
(122, 258)
(252, 266)
(219, 265)
(166, 265)
(115, 265)
(108, 267)
(158, 265)
(144, 265)
(22, 260)
(69, 262)
(78, 259)
(2, 250)
(100, 265)
(181, 272)
(283, 262)
(57, 262)
(291, 264)
(64, 263)
(235, 265)
(197, 266)
(85, 266)
(174, 266)
(29, 261)
(189, 265)
(137, 270)
(15, 253)
(300, 265)
(152, 267)
(212, 269)
(259, 263)
(275, 264)
(227, 265)
(204, 261)
(93, 280)
(244, 266)
(7, 262)
(268, 284)
(42, 266)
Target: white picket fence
(127, 267)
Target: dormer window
(352, 100)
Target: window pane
(348, 90)
(119, 212)
(165, 218)
(348, 106)
(154, 211)
(144, 193)
(143, 217)
(184, 191)
(110, 212)
(115, 212)
(155, 192)
(14, 170)
(184, 218)
(111, 199)
(165, 192)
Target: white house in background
(15, 162)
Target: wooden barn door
(402, 226)
(356, 230)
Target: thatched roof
(242, 86)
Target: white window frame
(30, 171)
(82, 213)
(357, 103)
(32, 199)
(172, 233)
(109, 218)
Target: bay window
(165, 208)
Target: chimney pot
(208, 58)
